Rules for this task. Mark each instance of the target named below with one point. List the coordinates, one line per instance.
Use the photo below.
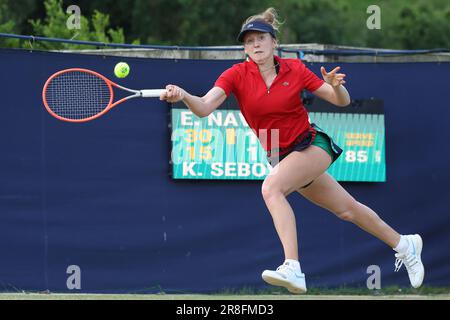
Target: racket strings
(77, 95)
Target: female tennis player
(268, 92)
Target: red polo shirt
(278, 107)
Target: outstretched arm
(333, 90)
(200, 106)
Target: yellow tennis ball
(121, 70)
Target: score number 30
(204, 136)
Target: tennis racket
(80, 95)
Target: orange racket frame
(145, 93)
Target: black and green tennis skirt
(321, 140)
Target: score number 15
(204, 136)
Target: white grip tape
(153, 93)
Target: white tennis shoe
(412, 261)
(286, 276)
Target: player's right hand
(172, 94)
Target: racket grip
(152, 93)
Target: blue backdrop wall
(98, 195)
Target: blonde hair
(269, 16)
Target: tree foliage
(414, 24)
(54, 25)
(7, 25)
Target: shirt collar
(283, 65)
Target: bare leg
(295, 171)
(326, 192)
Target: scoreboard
(222, 146)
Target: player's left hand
(332, 78)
